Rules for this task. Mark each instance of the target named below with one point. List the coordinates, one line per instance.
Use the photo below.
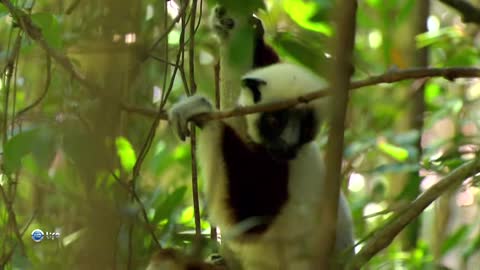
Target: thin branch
(45, 90)
(8, 73)
(142, 208)
(158, 115)
(470, 13)
(162, 60)
(8, 256)
(35, 34)
(388, 77)
(193, 137)
(72, 7)
(169, 28)
(12, 219)
(386, 234)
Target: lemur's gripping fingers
(184, 111)
(221, 22)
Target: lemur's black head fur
(263, 54)
(284, 132)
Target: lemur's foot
(222, 23)
(185, 110)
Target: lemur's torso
(264, 173)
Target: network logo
(37, 235)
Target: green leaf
(241, 48)
(39, 142)
(3, 11)
(181, 152)
(473, 248)
(247, 7)
(396, 152)
(187, 216)
(302, 12)
(396, 168)
(432, 91)
(454, 239)
(50, 27)
(307, 48)
(126, 153)
(374, 3)
(167, 206)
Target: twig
(12, 219)
(169, 28)
(45, 90)
(8, 71)
(193, 140)
(162, 60)
(142, 207)
(386, 234)
(470, 13)
(8, 256)
(35, 34)
(158, 115)
(72, 7)
(343, 48)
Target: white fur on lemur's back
(284, 80)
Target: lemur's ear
(253, 84)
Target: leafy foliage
(81, 164)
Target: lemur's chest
(256, 186)
(258, 189)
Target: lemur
(264, 173)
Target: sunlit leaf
(240, 7)
(187, 216)
(302, 12)
(396, 152)
(181, 152)
(374, 3)
(432, 91)
(126, 153)
(70, 238)
(434, 37)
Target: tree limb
(386, 234)
(470, 13)
(390, 76)
(343, 47)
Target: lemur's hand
(222, 23)
(185, 110)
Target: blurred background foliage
(77, 161)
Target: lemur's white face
(282, 132)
